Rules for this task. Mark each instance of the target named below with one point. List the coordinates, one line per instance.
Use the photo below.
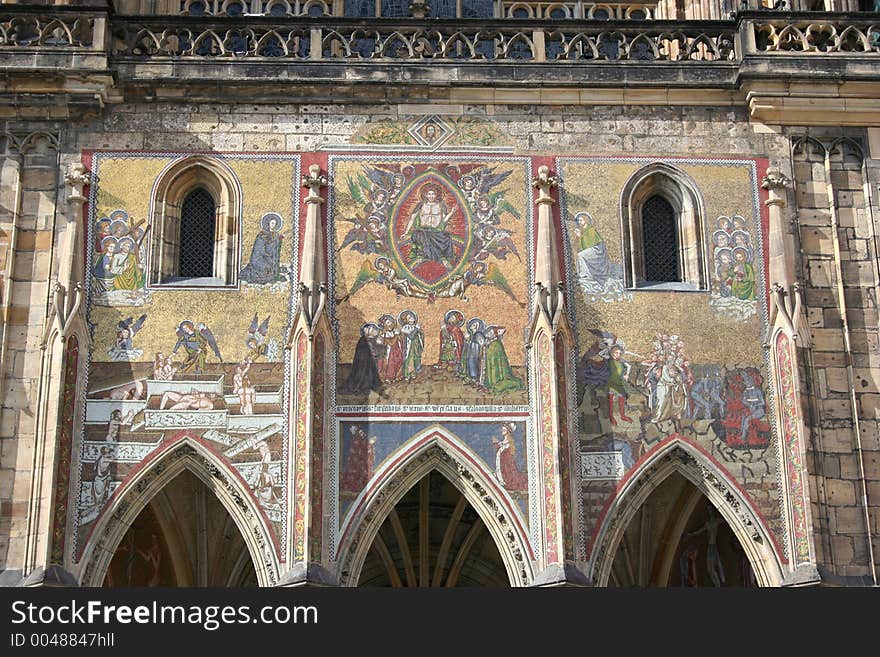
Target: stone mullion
(550, 337)
(47, 515)
(312, 339)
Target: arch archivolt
(130, 499)
(433, 449)
(687, 460)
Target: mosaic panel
(368, 445)
(205, 359)
(431, 280)
(660, 364)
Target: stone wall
(836, 185)
(515, 129)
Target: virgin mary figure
(265, 263)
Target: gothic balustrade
(599, 11)
(410, 40)
(343, 39)
(817, 35)
(239, 8)
(522, 9)
(50, 30)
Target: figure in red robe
(358, 461)
(451, 341)
(507, 471)
(390, 360)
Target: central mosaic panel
(431, 280)
(430, 271)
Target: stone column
(550, 341)
(64, 339)
(311, 344)
(787, 325)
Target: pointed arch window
(662, 221)
(196, 218)
(660, 230)
(197, 228)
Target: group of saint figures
(430, 234)
(119, 258)
(388, 351)
(476, 354)
(734, 276)
(391, 350)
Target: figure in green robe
(498, 377)
(743, 286)
(413, 344)
(125, 263)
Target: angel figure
(376, 189)
(366, 236)
(195, 339)
(256, 339)
(496, 241)
(603, 365)
(483, 273)
(126, 330)
(383, 273)
(491, 203)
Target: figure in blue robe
(265, 263)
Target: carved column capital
(314, 181)
(76, 177)
(544, 182)
(776, 183)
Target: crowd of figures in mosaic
(646, 376)
(440, 247)
(648, 397)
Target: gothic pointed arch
(663, 227)
(722, 493)
(432, 450)
(193, 195)
(133, 496)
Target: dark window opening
(197, 227)
(660, 235)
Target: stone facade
(439, 266)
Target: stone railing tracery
(417, 41)
(817, 36)
(47, 31)
(241, 8)
(305, 38)
(554, 10)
